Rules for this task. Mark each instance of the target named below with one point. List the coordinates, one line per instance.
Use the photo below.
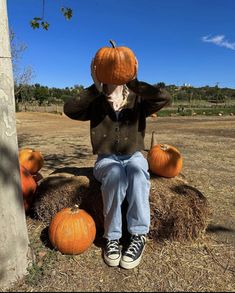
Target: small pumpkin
(115, 65)
(28, 187)
(164, 160)
(31, 159)
(72, 230)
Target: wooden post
(14, 243)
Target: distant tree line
(207, 93)
(41, 95)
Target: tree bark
(14, 242)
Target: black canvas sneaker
(132, 255)
(112, 253)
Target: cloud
(219, 40)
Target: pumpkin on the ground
(72, 230)
(28, 187)
(115, 65)
(164, 160)
(31, 159)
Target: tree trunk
(14, 242)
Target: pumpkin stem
(75, 208)
(112, 43)
(164, 147)
(153, 140)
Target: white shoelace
(134, 246)
(112, 246)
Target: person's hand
(99, 85)
(132, 83)
(136, 65)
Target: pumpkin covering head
(115, 65)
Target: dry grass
(205, 264)
(193, 266)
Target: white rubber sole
(112, 262)
(131, 264)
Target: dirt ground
(207, 145)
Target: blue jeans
(120, 177)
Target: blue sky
(175, 41)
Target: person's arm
(154, 97)
(79, 108)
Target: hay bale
(178, 210)
(60, 190)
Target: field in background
(184, 108)
(199, 107)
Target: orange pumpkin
(115, 65)
(28, 186)
(72, 230)
(164, 160)
(31, 159)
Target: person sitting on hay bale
(117, 113)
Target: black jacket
(110, 135)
